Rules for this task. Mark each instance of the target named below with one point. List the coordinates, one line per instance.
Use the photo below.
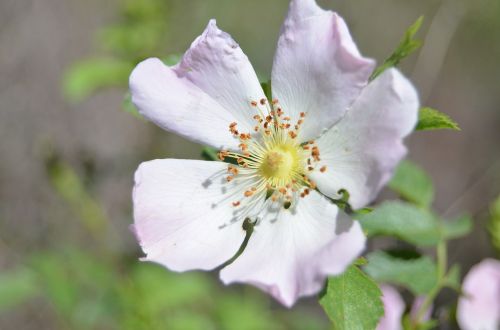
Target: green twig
(442, 262)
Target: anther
(322, 169)
(237, 203)
(302, 114)
(222, 154)
(262, 101)
(253, 103)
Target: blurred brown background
(457, 71)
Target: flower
(479, 308)
(394, 307)
(326, 129)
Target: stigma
(271, 161)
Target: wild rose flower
(326, 129)
(479, 308)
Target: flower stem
(442, 262)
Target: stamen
(271, 161)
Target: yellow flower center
(271, 161)
(281, 164)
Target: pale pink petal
(199, 98)
(362, 150)
(183, 213)
(177, 105)
(394, 308)
(317, 68)
(479, 309)
(291, 252)
(217, 65)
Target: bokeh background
(69, 144)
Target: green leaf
(430, 119)
(352, 301)
(209, 153)
(86, 77)
(16, 287)
(406, 46)
(413, 184)
(494, 224)
(172, 59)
(418, 274)
(266, 86)
(404, 221)
(456, 228)
(452, 279)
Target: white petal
(291, 252)
(362, 150)
(212, 87)
(394, 308)
(317, 67)
(480, 308)
(183, 213)
(217, 65)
